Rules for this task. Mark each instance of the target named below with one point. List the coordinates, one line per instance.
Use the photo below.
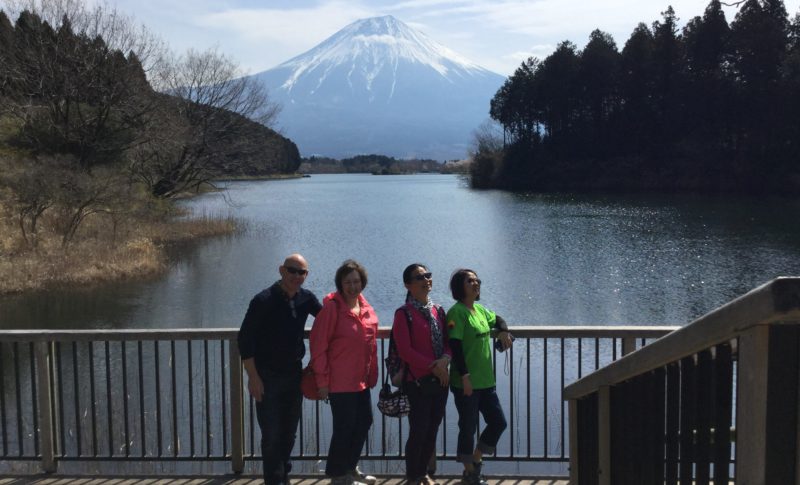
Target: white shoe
(358, 476)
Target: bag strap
(407, 311)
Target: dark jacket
(272, 331)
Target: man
(272, 347)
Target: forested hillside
(101, 124)
(711, 107)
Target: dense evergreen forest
(89, 89)
(712, 107)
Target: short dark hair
(348, 267)
(457, 283)
(410, 269)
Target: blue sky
(497, 34)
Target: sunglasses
(292, 270)
(474, 280)
(423, 276)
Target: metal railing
(713, 401)
(179, 396)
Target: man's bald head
(293, 273)
(296, 258)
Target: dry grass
(98, 254)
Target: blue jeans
(278, 414)
(485, 402)
(352, 418)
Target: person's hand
(255, 386)
(323, 393)
(506, 339)
(467, 385)
(439, 369)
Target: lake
(544, 259)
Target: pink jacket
(344, 350)
(416, 349)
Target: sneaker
(345, 480)
(472, 478)
(358, 476)
(427, 480)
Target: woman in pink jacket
(420, 334)
(344, 355)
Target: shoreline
(140, 252)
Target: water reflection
(546, 259)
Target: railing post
(47, 428)
(604, 434)
(767, 405)
(237, 408)
(628, 345)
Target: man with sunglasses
(271, 346)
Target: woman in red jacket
(344, 355)
(421, 337)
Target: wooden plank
(47, 421)
(723, 408)
(751, 406)
(604, 434)
(574, 454)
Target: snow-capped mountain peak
(376, 44)
(379, 86)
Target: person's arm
(316, 306)
(254, 383)
(501, 332)
(247, 340)
(318, 342)
(458, 356)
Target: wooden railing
(714, 401)
(144, 396)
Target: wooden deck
(238, 480)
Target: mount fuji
(379, 86)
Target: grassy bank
(103, 250)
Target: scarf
(436, 332)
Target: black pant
(352, 418)
(486, 402)
(423, 423)
(278, 414)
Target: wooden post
(47, 428)
(574, 457)
(237, 408)
(628, 345)
(604, 434)
(767, 414)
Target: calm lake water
(544, 259)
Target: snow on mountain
(378, 86)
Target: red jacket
(344, 350)
(417, 349)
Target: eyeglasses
(292, 270)
(423, 276)
(474, 280)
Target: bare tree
(213, 106)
